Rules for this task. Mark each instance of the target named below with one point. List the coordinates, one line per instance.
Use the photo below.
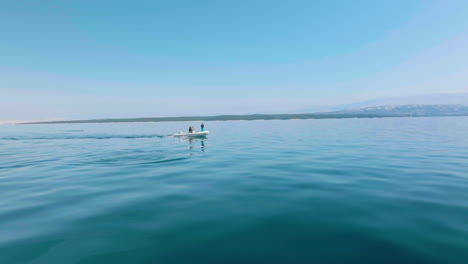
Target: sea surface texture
(383, 190)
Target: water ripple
(298, 191)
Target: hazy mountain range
(425, 99)
(409, 110)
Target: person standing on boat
(202, 127)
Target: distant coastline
(233, 118)
(213, 118)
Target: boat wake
(91, 136)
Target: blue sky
(93, 59)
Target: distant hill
(212, 118)
(424, 99)
(368, 112)
(409, 110)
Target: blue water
(391, 190)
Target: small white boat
(193, 134)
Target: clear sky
(106, 58)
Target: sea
(374, 190)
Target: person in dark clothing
(202, 127)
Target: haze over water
(390, 190)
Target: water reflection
(195, 142)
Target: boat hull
(194, 134)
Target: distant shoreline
(228, 118)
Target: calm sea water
(391, 190)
